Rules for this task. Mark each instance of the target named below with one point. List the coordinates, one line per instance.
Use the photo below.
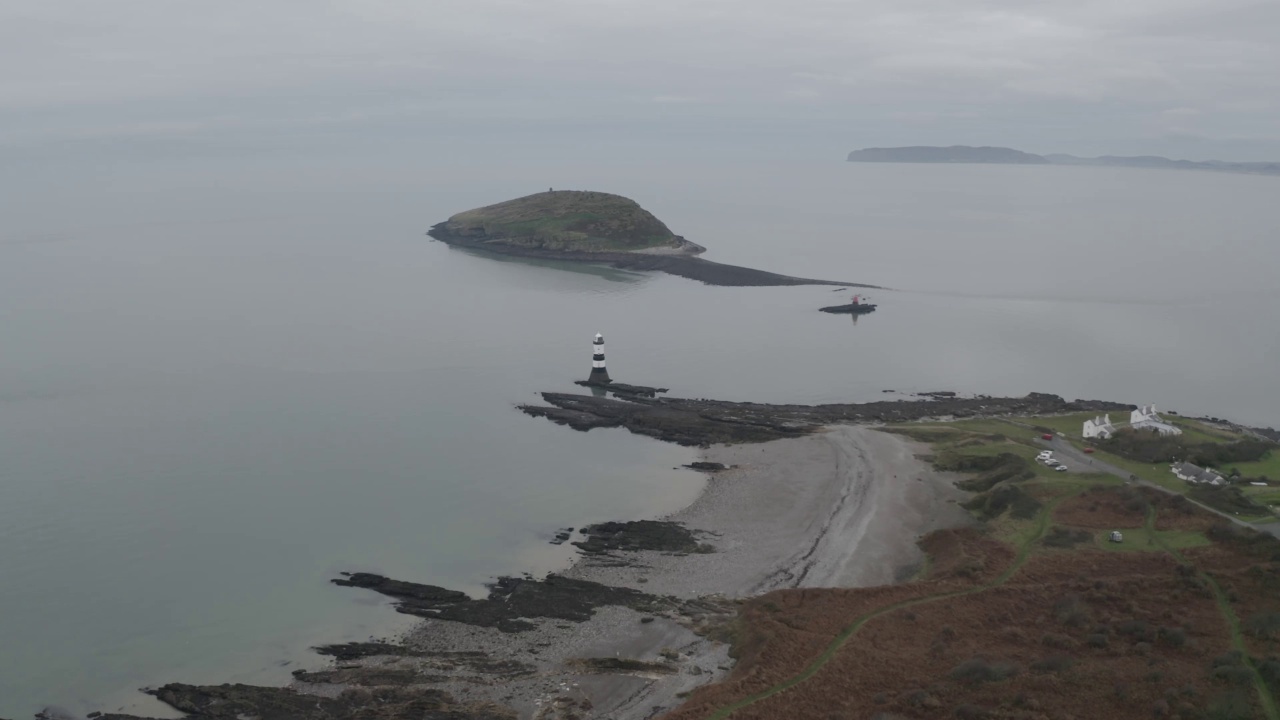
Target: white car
(1051, 462)
(1060, 468)
(1044, 455)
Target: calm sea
(228, 376)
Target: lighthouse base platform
(622, 388)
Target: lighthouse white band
(597, 349)
(597, 363)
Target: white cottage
(1145, 418)
(1197, 475)
(1099, 427)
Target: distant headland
(596, 227)
(1009, 156)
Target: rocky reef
(703, 422)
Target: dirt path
(1265, 697)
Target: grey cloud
(1204, 67)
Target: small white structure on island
(1197, 475)
(1145, 418)
(1116, 536)
(1099, 427)
(598, 372)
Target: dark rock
(405, 591)
(661, 536)
(510, 600)
(347, 652)
(703, 422)
(849, 309)
(622, 388)
(562, 535)
(694, 268)
(707, 466)
(234, 702)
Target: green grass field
(1142, 540)
(1268, 467)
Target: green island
(600, 228)
(567, 220)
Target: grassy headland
(1035, 614)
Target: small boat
(857, 307)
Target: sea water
(227, 377)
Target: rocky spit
(686, 266)
(701, 422)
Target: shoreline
(683, 265)
(839, 508)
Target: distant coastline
(1009, 156)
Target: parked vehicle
(1052, 463)
(1088, 451)
(1060, 468)
(1046, 436)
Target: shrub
(971, 712)
(1071, 610)
(1053, 664)
(1231, 705)
(1064, 538)
(1171, 636)
(977, 671)
(1060, 642)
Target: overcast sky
(1196, 78)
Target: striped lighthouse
(598, 372)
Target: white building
(1197, 475)
(1099, 427)
(1145, 418)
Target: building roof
(1195, 473)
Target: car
(1051, 462)
(1044, 455)
(1060, 468)
(1046, 436)
(1088, 451)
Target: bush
(1005, 497)
(1060, 642)
(977, 671)
(1053, 664)
(1172, 636)
(1232, 705)
(1058, 537)
(972, 712)
(1071, 610)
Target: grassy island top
(565, 220)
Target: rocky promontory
(596, 227)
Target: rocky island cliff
(596, 227)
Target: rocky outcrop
(238, 702)
(703, 422)
(511, 601)
(639, 535)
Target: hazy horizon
(1191, 79)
